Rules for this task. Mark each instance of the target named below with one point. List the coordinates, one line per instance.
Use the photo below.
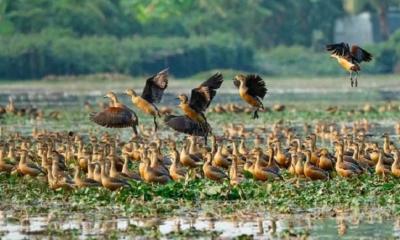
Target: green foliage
(387, 55)
(281, 196)
(297, 60)
(51, 52)
(46, 37)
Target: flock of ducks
(69, 160)
(194, 122)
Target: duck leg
(255, 114)
(155, 123)
(135, 130)
(356, 79)
(351, 79)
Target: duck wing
(114, 117)
(256, 86)
(155, 86)
(360, 54)
(202, 96)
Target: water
(318, 224)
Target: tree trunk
(383, 7)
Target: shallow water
(316, 225)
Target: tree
(381, 7)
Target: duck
(271, 161)
(58, 183)
(28, 168)
(152, 94)
(200, 99)
(189, 160)
(299, 167)
(263, 173)
(380, 168)
(117, 115)
(111, 183)
(325, 162)
(242, 148)
(153, 175)
(126, 172)
(97, 172)
(4, 165)
(82, 183)
(395, 168)
(282, 158)
(234, 178)
(176, 171)
(349, 58)
(364, 162)
(252, 90)
(312, 141)
(345, 169)
(213, 172)
(313, 172)
(293, 162)
(220, 160)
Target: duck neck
(114, 100)
(234, 168)
(103, 171)
(125, 166)
(235, 151)
(278, 147)
(396, 158)
(113, 168)
(11, 152)
(380, 159)
(271, 157)
(76, 174)
(44, 160)
(339, 156)
(313, 144)
(192, 146)
(308, 157)
(90, 171)
(356, 154)
(154, 160)
(386, 144)
(22, 158)
(1, 155)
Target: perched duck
(110, 182)
(28, 168)
(81, 183)
(396, 164)
(176, 171)
(154, 175)
(234, 177)
(212, 172)
(5, 166)
(380, 168)
(263, 173)
(313, 172)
